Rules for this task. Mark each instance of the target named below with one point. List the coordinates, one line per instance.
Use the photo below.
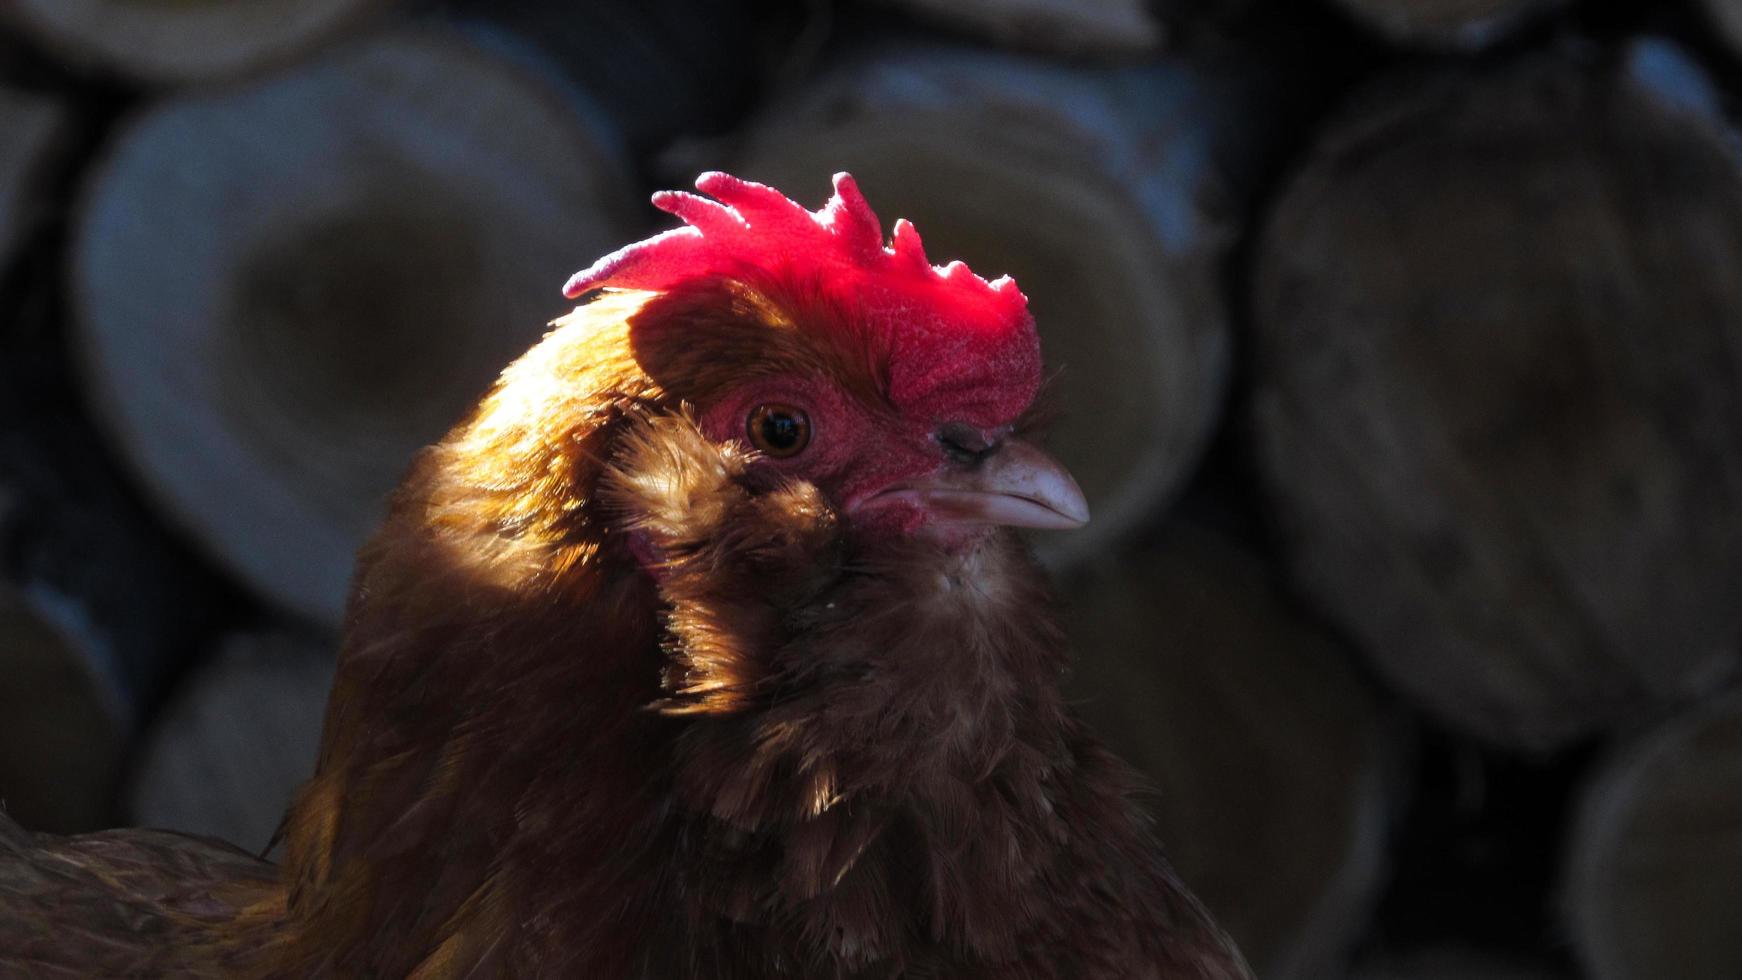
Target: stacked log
(1725, 17)
(285, 288)
(1269, 756)
(99, 611)
(61, 738)
(652, 69)
(1453, 964)
(1463, 25)
(101, 608)
(1104, 28)
(31, 127)
(96, 606)
(56, 718)
(1654, 872)
(1111, 195)
(186, 40)
(1498, 390)
(1494, 375)
(229, 751)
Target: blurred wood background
(1399, 348)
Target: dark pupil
(780, 430)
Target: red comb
(753, 231)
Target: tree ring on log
(186, 40)
(1499, 397)
(284, 290)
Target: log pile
(1112, 196)
(1452, 964)
(61, 740)
(1725, 17)
(279, 303)
(185, 40)
(62, 743)
(98, 607)
(1412, 429)
(1654, 871)
(1103, 28)
(99, 612)
(1448, 24)
(1272, 763)
(646, 71)
(32, 126)
(231, 748)
(1510, 469)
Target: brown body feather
(786, 751)
(130, 903)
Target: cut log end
(186, 40)
(1454, 964)
(1116, 338)
(1498, 400)
(229, 751)
(1105, 28)
(1654, 872)
(270, 343)
(1118, 259)
(62, 737)
(1726, 17)
(1267, 750)
(31, 127)
(1449, 24)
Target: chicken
(702, 648)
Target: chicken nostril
(965, 444)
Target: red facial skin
(881, 350)
(856, 452)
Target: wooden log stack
(1456, 25)
(1724, 17)
(1272, 763)
(186, 40)
(1453, 964)
(651, 70)
(62, 742)
(1498, 394)
(1654, 869)
(99, 609)
(1477, 334)
(231, 748)
(31, 127)
(279, 302)
(1073, 28)
(1112, 195)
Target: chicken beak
(1017, 485)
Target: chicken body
(620, 698)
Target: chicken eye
(779, 430)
